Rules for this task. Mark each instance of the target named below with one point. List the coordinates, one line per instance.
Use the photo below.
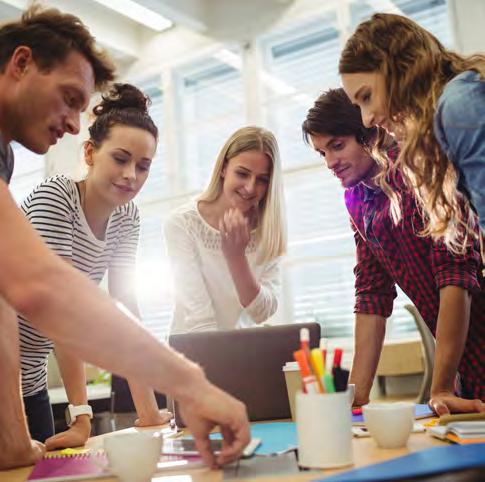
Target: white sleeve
(266, 302)
(191, 294)
(49, 208)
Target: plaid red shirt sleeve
(455, 270)
(374, 288)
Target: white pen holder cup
(324, 425)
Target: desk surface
(365, 453)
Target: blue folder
(427, 462)
(421, 410)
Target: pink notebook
(71, 467)
(94, 465)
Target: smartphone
(186, 446)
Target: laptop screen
(247, 363)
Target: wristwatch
(73, 411)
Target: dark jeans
(39, 416)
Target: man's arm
(368, 340)
(451, 334)
(16, 447)
(68, 308)
(374, 295)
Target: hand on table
(76, 436)
(444, 403)
(21, 455)
(158, 418)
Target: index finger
(204, 447)
(439, 407)
(236, 438)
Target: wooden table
(365, 453)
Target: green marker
(328, 381)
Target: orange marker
(310, 384)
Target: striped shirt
(54, 209)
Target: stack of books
(471, 432)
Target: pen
(309, 383)
(459, 417)
(323, 348)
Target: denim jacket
(459, 126)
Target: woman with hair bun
(94, 225)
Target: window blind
(299, 61)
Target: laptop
(247, 363)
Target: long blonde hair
(416, 67)
(271, 227)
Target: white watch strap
(82, 410)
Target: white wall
(468, 25)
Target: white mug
(389, 424)
(133, 457)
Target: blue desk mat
(275, 437)
(435, 460)
(280, 436)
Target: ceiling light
(138, 13)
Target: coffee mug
(133, 457)
(389, 424)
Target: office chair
(429, 344)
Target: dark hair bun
(122, 96)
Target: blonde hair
(271, 226)
(416, 67)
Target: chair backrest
(429, 345)
(248, 363)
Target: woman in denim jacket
(433, 101)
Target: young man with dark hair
(44, 86)
(444, 287)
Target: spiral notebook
(78, 466)
(73, 464)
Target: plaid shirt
(389, 254)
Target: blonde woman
(225, 245)
(405, 81)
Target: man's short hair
(52, 36)
(333, 114)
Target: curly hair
(416, 67)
